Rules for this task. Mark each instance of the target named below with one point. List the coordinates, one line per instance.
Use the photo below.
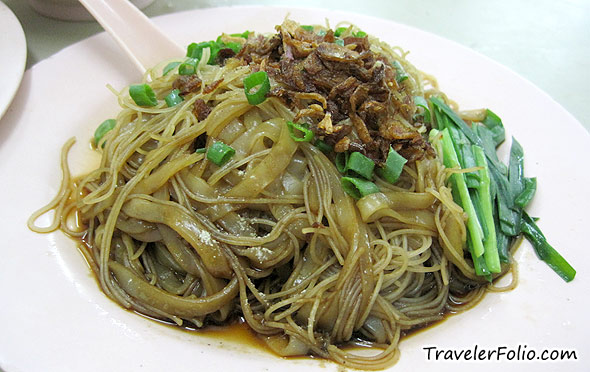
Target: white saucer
(13, 57)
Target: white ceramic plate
(13, 56)
(53, 316)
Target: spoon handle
(145, 44)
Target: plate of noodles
(278, 199)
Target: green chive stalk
(451, 161)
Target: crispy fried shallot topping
(347, 93)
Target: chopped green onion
(400, 73)
(169, 67)
(339, 31)
(359, 34)
(243, 34)
(236, 47)
(256, 85)
(189, 67)
(525, 197)
(323, 146)
(202, 150)
(219, 153)
(358, 187)
(173, 98)
(394, 164)
(360, 165)
(341, 161)
(544, 250)
(307, 27)
(143, 95)
(195, 50)
(322, 32)
(419, 101)
(102, 129)
(299, 132)
(214, 49)
(339, 42)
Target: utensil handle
(145, 44)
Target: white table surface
(546, 41)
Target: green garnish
(527, 194)
(189, 67)
(359, 165)
(195, 50)
(173, 98)
(496, 202)
(233, 46)
(419, 101)
(102, 129)
(400, 73)
(242, 35)
(169, 67)
(486, 215)
(358, 187)
(359, 34)
(494, 124)
(143, 95)
(307, 27)
(510, 221)
(544, 250)
(340, 161)
(394, 164)
(323, 146)
(299, 132)
(339, 31)
(451, 160)
(219, 153)
(256, 85)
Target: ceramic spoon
(145, 44)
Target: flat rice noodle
(410, 200)
(178, 219)
(181, 254)
(285, 345)
(225, 112)
(134, 226)
(269, 169)
(378, 205)
(185, 307)
(160, 176)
